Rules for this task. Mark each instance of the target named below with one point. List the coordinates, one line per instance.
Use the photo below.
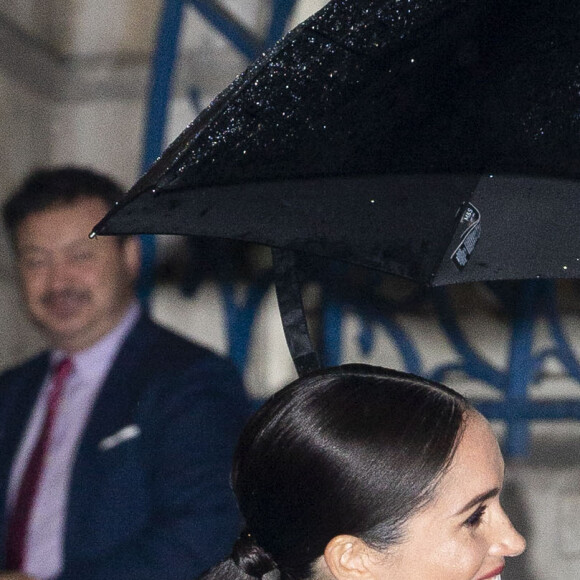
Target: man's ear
(132, 255)
(347, 558)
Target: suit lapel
(119, 394)
(18, 400)
(115, 408)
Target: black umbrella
(435, 140)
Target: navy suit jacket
(157, 505)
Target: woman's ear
(347, 558)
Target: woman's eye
(475, 518)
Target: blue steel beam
(162, 69)
(163, 66)
(161, 76)
(281, 12)
(332, 334)
(248, 43)
(563, 349)
(471, 363)
(240, 318)
(520, 369)
(234, 31)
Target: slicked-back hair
(47, 188)
(354, 449)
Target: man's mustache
(52, 297)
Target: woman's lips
(494, 575)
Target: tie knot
(62, 368)
(60, 374)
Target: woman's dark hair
(354, 449)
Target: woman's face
(463, 534)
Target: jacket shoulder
(27, 368)
(175, 347)
(163, 353)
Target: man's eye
(32, 263)
(475, 518)
(82, 256)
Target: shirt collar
(93, 363)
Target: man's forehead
(82, 204)
(68, 215)
(78, 243)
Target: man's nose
(60, 274)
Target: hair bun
(252, 558)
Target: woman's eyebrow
(479, 499)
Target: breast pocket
(111, 500)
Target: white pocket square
(124, 434)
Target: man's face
(76, 289)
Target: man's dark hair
(46, 188)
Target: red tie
(20, 518)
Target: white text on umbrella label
(471, 221)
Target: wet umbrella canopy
(437, 140)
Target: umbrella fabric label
(470, 222)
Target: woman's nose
(508, 542)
